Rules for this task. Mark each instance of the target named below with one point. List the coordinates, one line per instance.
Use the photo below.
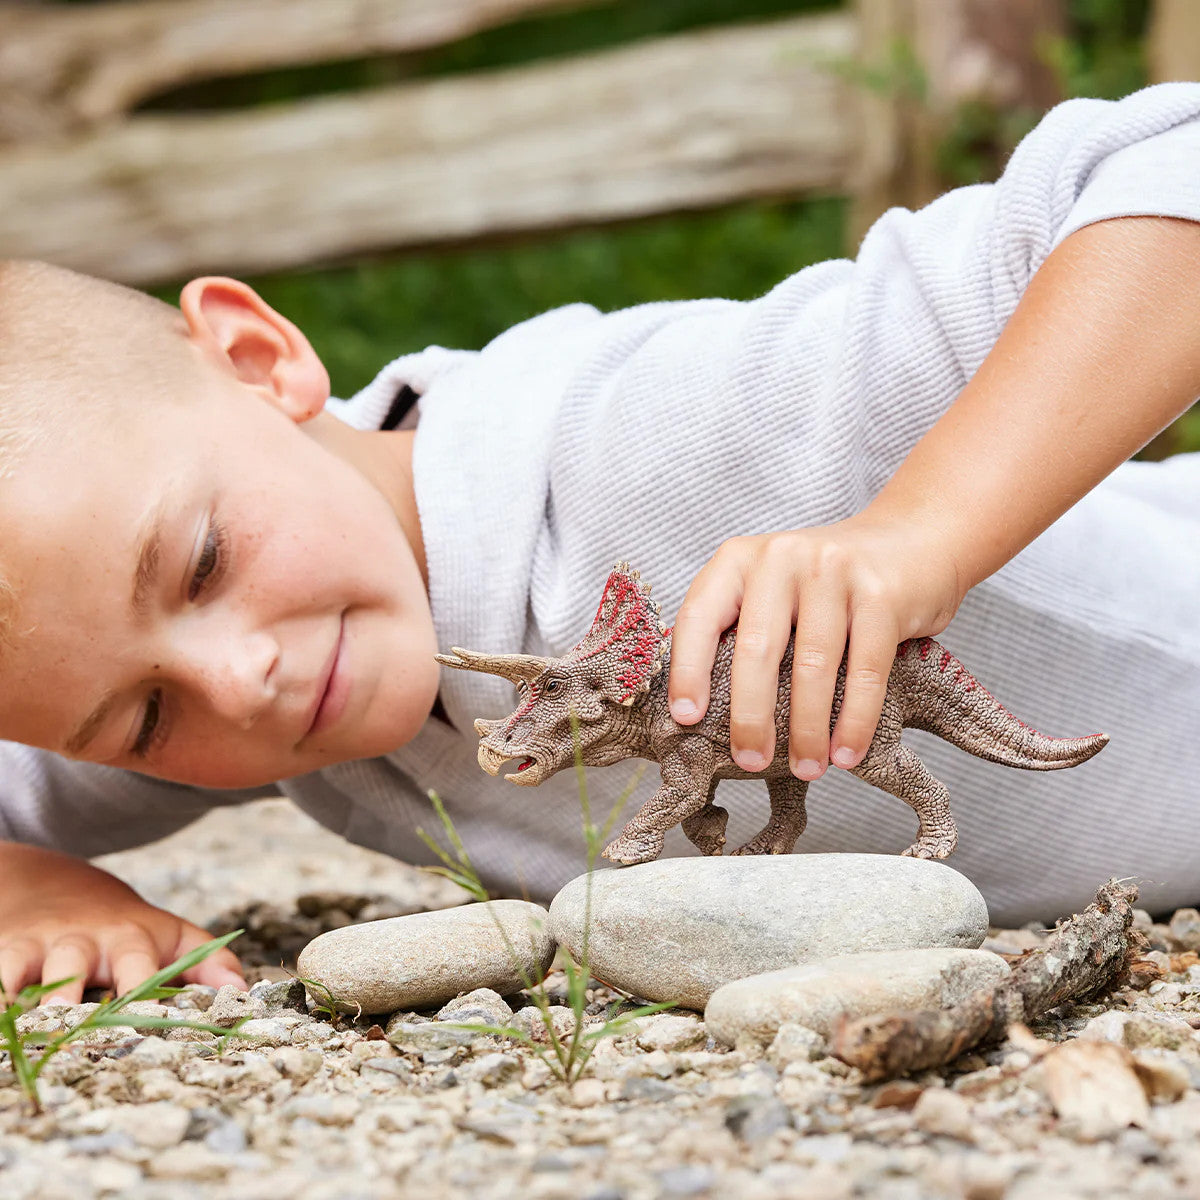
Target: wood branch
(1083, 958)
(1173, 41)
(919, 61)
(64, 67)
(678, 123)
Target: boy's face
(280, 623)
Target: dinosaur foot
(706, 829)
(932, 847)
(629, 849)
(768, 842)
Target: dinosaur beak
(527, 774)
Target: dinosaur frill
(625, 644)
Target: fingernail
(750, 760)
(807, 768)
(683, 710)
(843, 756)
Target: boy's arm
(60, 917)
(1102, 352)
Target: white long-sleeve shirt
(655, 433)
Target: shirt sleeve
(88, 809)
(1156, 177)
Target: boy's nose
(236, 677)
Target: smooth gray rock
(817, 995)
(679, 928)
(428, 958)
(480, 1007)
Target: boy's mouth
(333, 685)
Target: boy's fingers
(132, 961)
(868, 665)
(19, 960)
(73, 958)
(764, 626)
(709, 608)
(816, 656)
(217, 969)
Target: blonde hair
(72, 345)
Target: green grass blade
(157, 980)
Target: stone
(1185, 928)
(1139, 1030)
(264, 1031)
(665, 1031)
(480, 1007)
(197, 997)
(754, 1117)
(531, 1021)
(429, 1035)
(941, 1111)
(679, 928)
(283, 996)
(492, 1070)
(795, 1043)
(293, 1063)
(426, 959)
(819, 995)
(230, 1006)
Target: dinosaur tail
(947, 700)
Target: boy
(230, 587)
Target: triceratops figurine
(615, 683)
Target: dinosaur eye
(552, 688)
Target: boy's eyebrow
(89, 727)
(145, 574)
(149, 546)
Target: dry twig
(1085, 957)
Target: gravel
(342, 1112)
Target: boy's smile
(222, 588)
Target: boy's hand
(61, 917)
(863, 581)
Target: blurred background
(396, 173)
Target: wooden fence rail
(685, 122)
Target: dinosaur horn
(513, 667)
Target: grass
(17, 1043)
(566, 1056)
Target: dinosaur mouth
(527, 772)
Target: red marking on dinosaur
(947, 659)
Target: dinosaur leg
(706, 828)
(788, 817)
(904, 775)
(685, 792)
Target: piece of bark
(1083, 958)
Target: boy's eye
(210, 562)
(150, 733)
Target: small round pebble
(426, 959)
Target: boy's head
(197, 561)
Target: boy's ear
(232, 324)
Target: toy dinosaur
(615, 683)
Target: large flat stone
(818, 995)
(426, 959)
(679, 928)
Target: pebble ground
(327, 1112)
